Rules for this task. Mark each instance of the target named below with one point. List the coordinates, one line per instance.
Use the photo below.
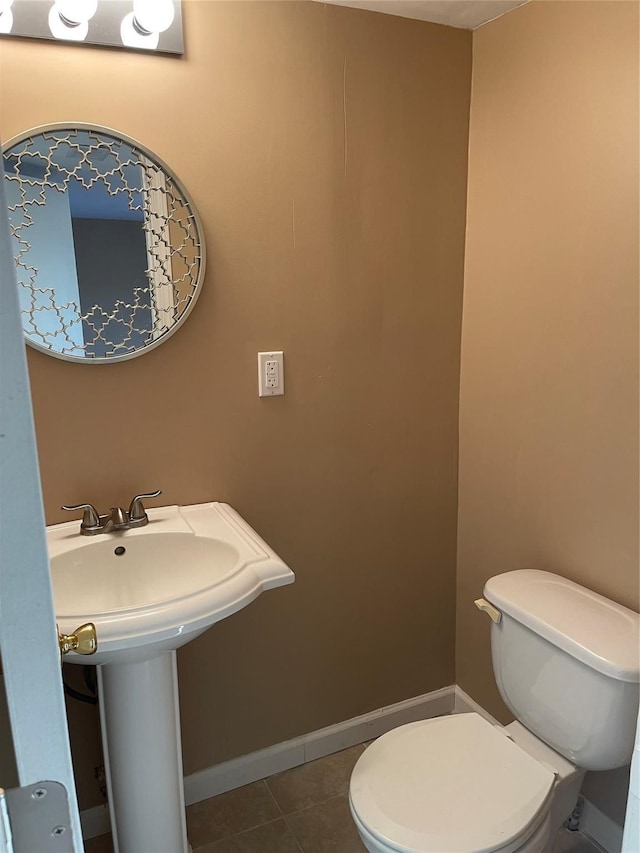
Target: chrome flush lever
(137, 515)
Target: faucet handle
(90, 516)
(137, 514)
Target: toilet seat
(453, 784)
(534, 843)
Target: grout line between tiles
(293, 835)
(264, 823)
(312, 805)
(248, 828)
(306, 809)
(344, 796)
(326, 799)
(283, 816)
(271, 794)
(246, 831)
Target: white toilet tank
(567, 663)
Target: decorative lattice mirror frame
(161, 197)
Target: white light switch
(270, 374)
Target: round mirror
(108, 246)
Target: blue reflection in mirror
(86, 244)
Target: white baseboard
(283, 756)
(274, 759)
(95, 821)
(597, 826)
(464, 704)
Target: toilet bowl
(534, 844)
(454, 784)
(567, 664)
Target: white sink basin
(157, 587)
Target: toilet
(566, 662)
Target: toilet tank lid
(600, 633)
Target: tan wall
(549, 375)
(326, 149)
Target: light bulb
(74, 12)
(153, 16)
(65, 29)
(132, 37)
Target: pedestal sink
(149, 591)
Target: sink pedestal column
(140, 720)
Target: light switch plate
(270, 374)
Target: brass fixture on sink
(83, 641)
(116, 519)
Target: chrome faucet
(116, 519)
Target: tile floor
(303, 810)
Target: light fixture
(69, 19)
(153, 25)
(6, 16)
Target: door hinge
(35, 817)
